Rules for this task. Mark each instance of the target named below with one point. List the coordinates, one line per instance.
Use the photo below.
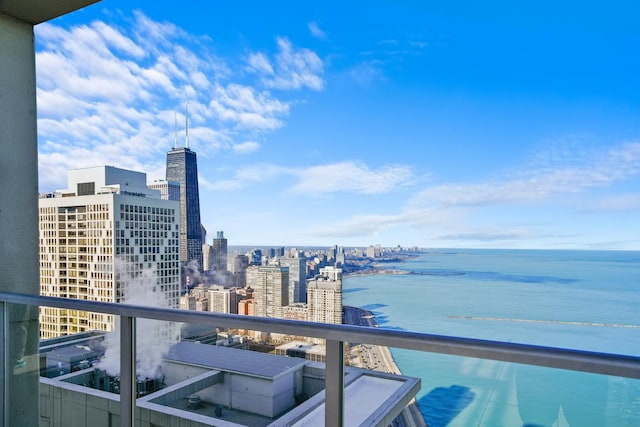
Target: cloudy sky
(361, 122)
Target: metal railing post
(4, 364)
(127, 371)
(334, 386)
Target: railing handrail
(552, 357)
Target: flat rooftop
(232, 360)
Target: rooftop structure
(210, 385)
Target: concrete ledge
(38, 11)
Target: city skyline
(500, 125)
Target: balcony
(335, 405)
(18, 269)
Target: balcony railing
(335, 336)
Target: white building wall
(270, 284)
(107, 247)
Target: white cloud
(538, 185)
(246, 147)
(260, 63)
(113, 89)
(488, 235)
(114, 38)
(620, 202)
(248, 108)
(249, 175)
(462, 213)
(370, 225)
(316, 32)
(159, 34)
(351, 177)
(345, 177)
(367, 72)
(295, 68)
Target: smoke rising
(153, 337)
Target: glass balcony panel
(455, 391)
(463, 391)
(20, 363)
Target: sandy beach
(379, 358)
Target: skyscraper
(297, 278)
(106, 238)
(207, 257)
(220, 253)
(182, 167)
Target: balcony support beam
(127, 371)
(4, 364)
(334, 387)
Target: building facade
(324, 296)
(207, 257)
(223, 300)
(106, 238)
(297, 278)
(182, 167)
(220, 253)
(240, 265)
(169, 190)
(270, 284)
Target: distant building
(271, 288)
(207, 257)
(169, 190)
(239, 269)
(187, 302)
(303, 350)
(297, 278)
(378, 251)
(296, 311)
(223, 300)
(106, 238)
(247, 307)
(324, 296)
(202, 304)
(240, 265)
(371, 252)
(255, 257)
(220, 253)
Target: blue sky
(434, 124)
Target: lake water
(587, 300)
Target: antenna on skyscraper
(186, 120)
(175, 130)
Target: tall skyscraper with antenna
(182, 166)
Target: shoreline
(379, 358)
(371, 266)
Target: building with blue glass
(182, 166)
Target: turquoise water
(587, 300)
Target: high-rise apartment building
(182, 166)
(270, 284)
(324, 296)
(106, 238)
(207, 257)
(240, 265)
(223, 300)
(220, 253)
(297, 278)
